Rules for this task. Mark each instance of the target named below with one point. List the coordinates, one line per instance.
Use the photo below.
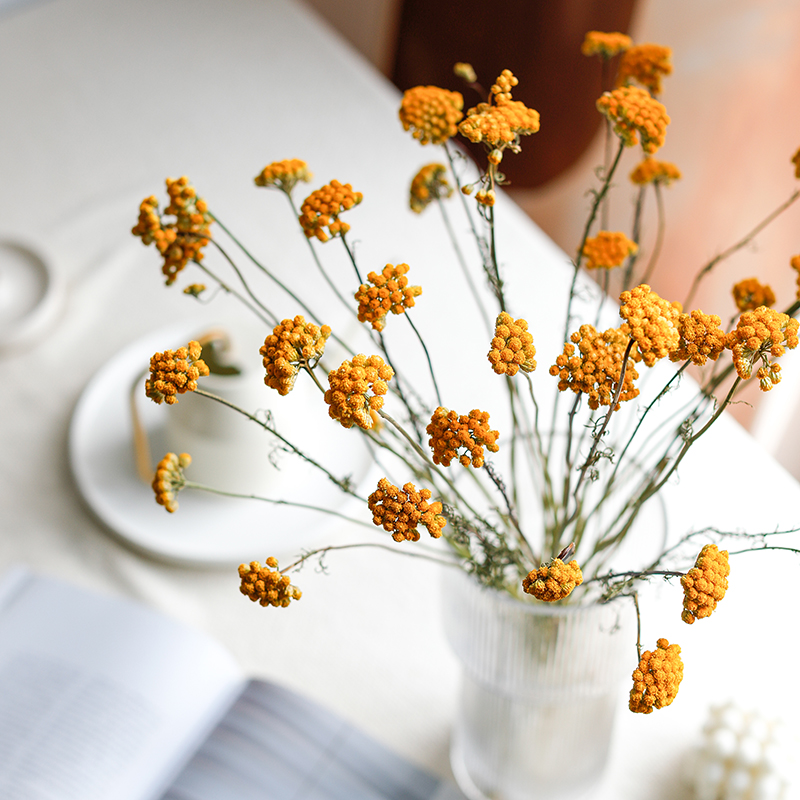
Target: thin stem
(397, 550)
(427, 357)
(352, 259)
(659, 234)
(230, 290)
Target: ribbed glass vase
(541, 684)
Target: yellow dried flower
(428, 184)
(646, 64)
(174, 372)
(608, 249)
(650, 170)
(389, 292)
(486, 197)
(465, 71)
(652, 322)
(400, 511)
(321, 209)
(195, 289)
(701, 338)
(169, 479)
(749, 294)
(605, 45)
(283, 175)
(657, 678)
(759, 334)
(431, 114)
(553, 581)
(292, 345)
(267, 585)
(796, 162)
(183, 240)
(349, 399)
(795, 264)
(705, 584)
(595, 368)
(469, 433)
(633, 111)
(512, 346)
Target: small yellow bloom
(652, 171)
(651, 321)
(469, 433)
(283, 175)
(169, 479)
(796, 162)
(701, 338)
(267, 585)
(749, 294)
(635, 113)
(608, 249)
(174, 372)
(705, 584)
(431, 114)
(348, 398)
(605, 45)
(465, 72)
(400, 511)
(657, 678)
(428, 184)
(292, 345)
(389, 292)
(646, 64)
(512, 346)
(195, 289)
(795, 264)
(321, 209)
(553, 581)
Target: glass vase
(541, 684)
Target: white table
(100, 102)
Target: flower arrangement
(454, 479)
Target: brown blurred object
(540, 42)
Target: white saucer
(208, 529)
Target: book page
(275, 744)
(100, 699)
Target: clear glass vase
(541, 684)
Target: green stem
(427, 357)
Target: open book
(102, 699)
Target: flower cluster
(427, 185)
(608, 250)
(759, 334)
(389, 292)
(705, 584)
(174, 372)
(183, 240)
(553, 581)
(594, 370)
(651, 170)
(169, 479)
(469, 433)
(652, 322)
(284, 174)
(605, 45)
(431, 114)
(348, 398)
(512, 346)
(321, 209)
(657, 678)
(267, 585)
(749, 294)
(701, 338)
(400, 511)
(292, 345)
(646, 64)
(633, 111)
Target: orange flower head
(605, 45)
(267, 585)
(468, 433)
(401, 511)
(646, 64)
(657, 678)
(429, 184)
(174, 372)
(349, 398)
(553, 581)
(750, 294)
(283, 175)
(389, 292)
(591, 364)
(465, 71)
(512, 346)
(322, 208)
(635, 114)
(701, 338)
(651, 321)
(293, 345)
(608, 249)
(650, 170)
(705, 584)
(169, 479)
(431, 114)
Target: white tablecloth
(100, 102)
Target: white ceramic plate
(207, 529)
